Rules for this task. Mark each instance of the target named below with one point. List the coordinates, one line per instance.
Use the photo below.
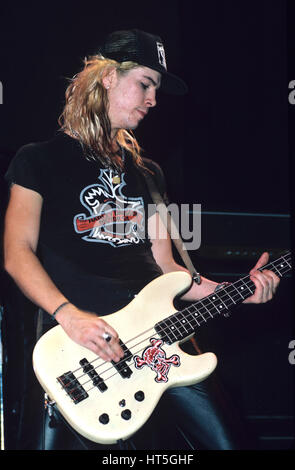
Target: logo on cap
(161, 54)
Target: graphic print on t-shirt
(114, 218)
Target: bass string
(120, 362)
(236, 295)
(116, 373)
(133, 354)
(145, 340)
(139, 351)
(201, 320)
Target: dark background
(226, 145)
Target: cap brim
(173, 85)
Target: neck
(115, 147)
(185, 322)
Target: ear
(110, 77)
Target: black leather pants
(204, 415)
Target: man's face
(131, 95)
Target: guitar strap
(162, 209)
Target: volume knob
(126, 414)
(139, 396)
(104, 418)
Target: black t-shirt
(93, 238)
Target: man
(63, 191)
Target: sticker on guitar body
(155, 358)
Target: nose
(151, 98)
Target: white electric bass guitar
(107, 402)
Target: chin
(131, 126)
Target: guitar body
(154, 367)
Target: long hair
(85, 114)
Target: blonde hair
(85, 114)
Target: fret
(160, 328)
(194, 314)
(202, 314)
(188, 309)
(181, 325)
(203, 305)
(219, 298)
(225, 291)
(247, 287)
(276, 270)
(185, 322)
(195, 318)
(282, 264)
(173, 326)
(289, 264)
(276, 267)
(170, 330)
(182, 321)
(212, 301)
(243, 288)
(219, 304)
(226, 300)
(239, 291)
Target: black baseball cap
(145, 49)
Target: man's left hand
(266, 282)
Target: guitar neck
(185, 322)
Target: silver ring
(107, 337)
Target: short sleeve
(26, 169)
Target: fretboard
(185, 322)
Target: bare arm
(266, 282)
(22, 223)
(21, 234)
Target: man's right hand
(87, 329)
